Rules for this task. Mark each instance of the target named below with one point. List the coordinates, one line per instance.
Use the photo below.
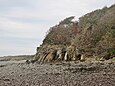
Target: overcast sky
(24, 23)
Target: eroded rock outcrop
(57, 41)
(93, 35)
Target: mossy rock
(98, 58)
(113, 58)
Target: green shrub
(113, 51)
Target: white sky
(24, 23)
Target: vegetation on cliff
(98, 29)
(62, 33)
(94, 34)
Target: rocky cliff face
(56, 41)
(94, 34)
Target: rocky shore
(73, 73)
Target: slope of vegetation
(94, 34)
(98, 29)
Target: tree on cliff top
(63, 33)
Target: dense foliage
(62, 33)
(98, 30)
(94, 34)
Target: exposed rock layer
(92, 36)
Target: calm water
(10, 62)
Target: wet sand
(58, 74)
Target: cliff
(93, 35)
